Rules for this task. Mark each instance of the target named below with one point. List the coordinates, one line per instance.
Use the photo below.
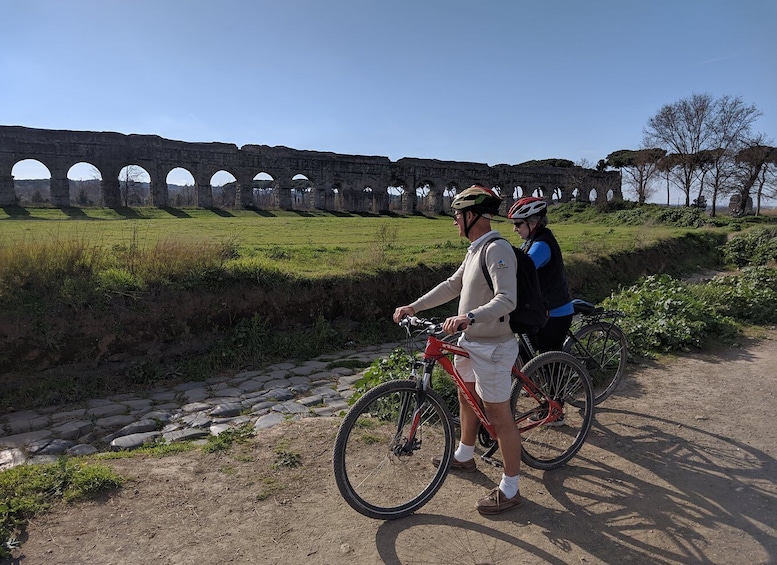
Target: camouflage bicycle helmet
(477, 199)
(527, 207)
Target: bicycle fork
(407, 445)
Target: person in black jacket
(530, 220)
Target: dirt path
(679, 468)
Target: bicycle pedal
(492, 461)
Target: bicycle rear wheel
(380, 474)
(603, 349)
(553, 440)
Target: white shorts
(489, 366)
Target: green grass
(310, 244)
(30, 489)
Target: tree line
(706, 147)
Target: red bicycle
(384, 447)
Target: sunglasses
(519, 223)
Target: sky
(483, 81)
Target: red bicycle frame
(438, 350)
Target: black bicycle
(597, 342)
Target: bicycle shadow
(448, 539)
(663, 486)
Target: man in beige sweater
(484, 317)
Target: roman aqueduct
(337, 182)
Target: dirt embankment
(162, 324)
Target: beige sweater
(470, 285)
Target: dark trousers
(552, 336)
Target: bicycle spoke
(603, 349)
(381, 471)
(549, 440)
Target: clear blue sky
(485, 81)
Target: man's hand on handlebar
(402, 312)
(455, 324)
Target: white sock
(464, 452)
(509, 485)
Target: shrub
(757, 246)
(663, 315)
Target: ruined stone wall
(352, 183)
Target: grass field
(304, 243)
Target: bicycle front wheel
(603, 349)
(549, 441)
(381, 472)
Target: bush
(663, 314)
(757, 246)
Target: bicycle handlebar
(430, 326)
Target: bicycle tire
(602, 347)
(553, 442)
(372, 478)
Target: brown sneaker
(456, 465)
(496, 502)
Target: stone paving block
(274, 375)
(291, 407)
(164, 396)
(298, 380)
(105, 410)
(196, 394)
(10, 458)
(185, 435)
(306, 369)
(22, 416)
(133, 441)
(299, 388)
(114, 421)
(138, 403)
(251, 385)
(163, 416)
(310, 400)
(81, 449)
(226, 410)
(198, 420)
(73, 429)
(25, 425)
(324, 391)
(195, 406)
(139, 427)
(280, 367)
(338, 405)
(227, 391)
(49, 446)
(20, 440)
(68, 414)
(277, 383)
(280, 394)
(269, 420)
(264, 405)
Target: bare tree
(130, 181)
(754, 164)
(694, 125)
(639, 169)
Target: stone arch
(134, 185)
(301, 192)
(223, 188)
(31, 181)
(263, 190)
(181, 189)
(85, 184)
